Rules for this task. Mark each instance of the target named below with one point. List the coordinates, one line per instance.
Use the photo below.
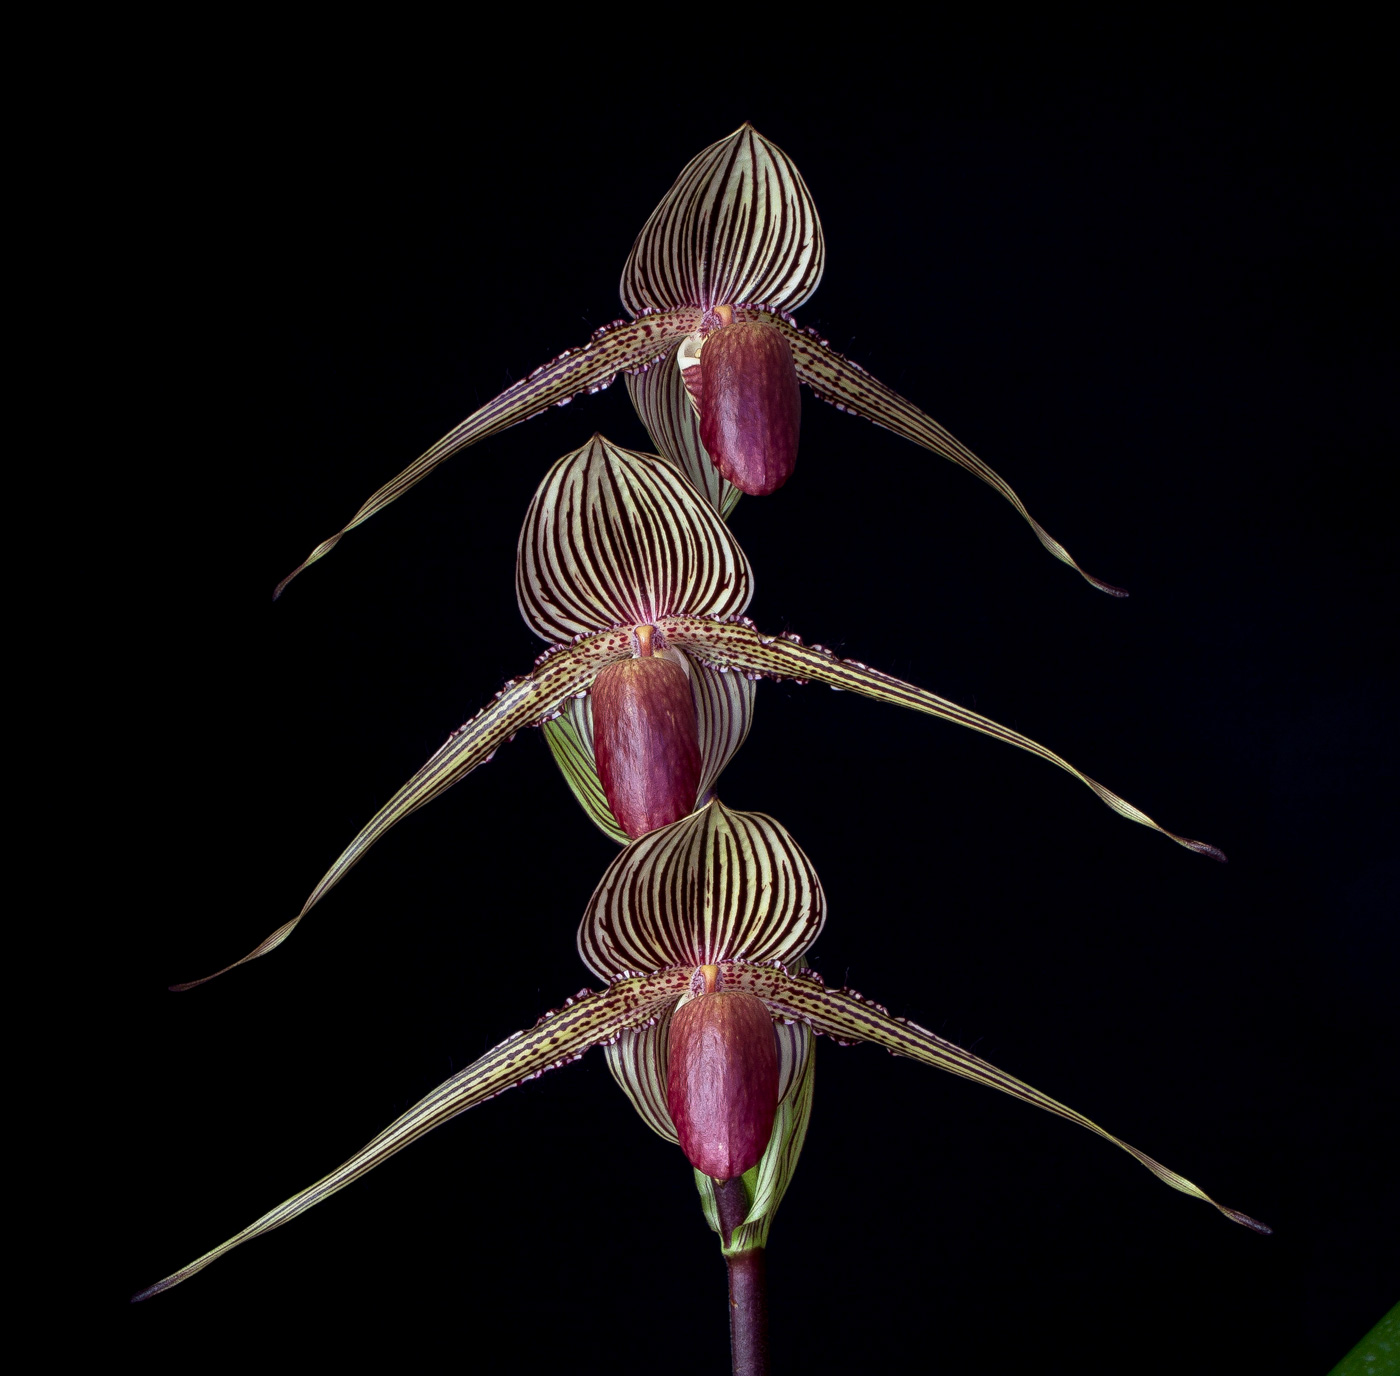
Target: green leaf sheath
(1378, 1353)
(848, 387)
(619, 347)
(737, 645)
(557, 1039)
(524, 702)
(846, 1016)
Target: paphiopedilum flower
(712, 354)
(621, 559)
(718, 904)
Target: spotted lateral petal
(619, 538)
(724, 706)
(668, 413)
(619, 347)
(557, 1039)
(739, 225)
(559, 676)
(717, 885)
(850, 388)
(738, 645)
(847, 1017)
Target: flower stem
(748, 1287)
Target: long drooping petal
(738, 225)
(558, 677)
(848, 387)
(619, 347)
(846, 1016)
(557, 1039)
(717, 885)
(615, 537)
(666, 410)
(738, 645)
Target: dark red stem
(748, 1287)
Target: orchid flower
(713, 1044)
(712, 354)
(620, 562)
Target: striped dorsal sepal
(848, 387)
(848, 1017)
(737, 645)
(738, 225)
(560, 1037)
(717, 885)
(614, 537)
(559, 676)
(623, 346)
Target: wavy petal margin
(614, 537)
(557, 1039)
(717, 885)
(560, 675)
(739, 645)
(845, 1016)
(620, 347)
(738, 225)
(848, 387)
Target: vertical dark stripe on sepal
(717, 885)
(738, 227)
(614, 538)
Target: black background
(1143, 277)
